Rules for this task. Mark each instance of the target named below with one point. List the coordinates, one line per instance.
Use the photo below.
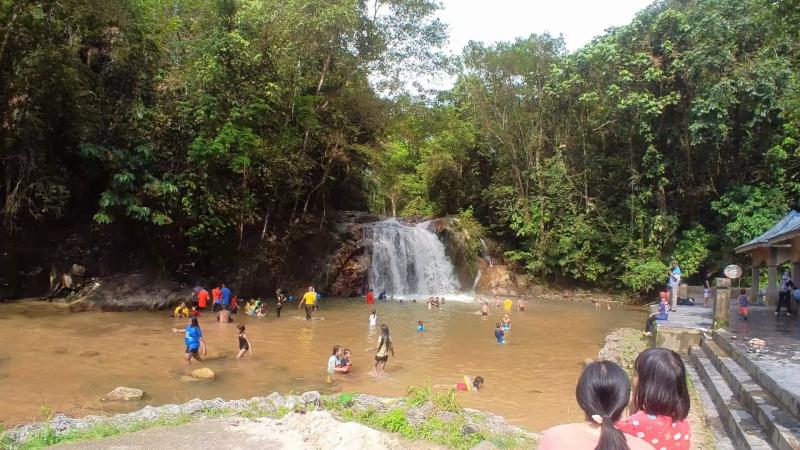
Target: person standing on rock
(674, 283)
(194, 341)
(309, 300)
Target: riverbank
(422, 419)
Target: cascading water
(408, 261)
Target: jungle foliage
(203, 125)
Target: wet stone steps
(723, 442)
(743, 428)
(781, 428)
(788, 400)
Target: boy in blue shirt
(499, 334)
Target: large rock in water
(129, 292)
(204, 373)
(124, 394)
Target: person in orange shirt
(216, 294)
(370, 297)
(202, 299)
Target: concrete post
(722, 303)
(756, 274)
(772, 279)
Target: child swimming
(420, 326)
(467, 385)
(506, 322)
(373, 318)
(244, 343)
(499, 334)
(343, 364)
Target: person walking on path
(309, 300)
(674, 283)
(784, 293)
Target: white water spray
(408, 261)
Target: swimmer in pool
(468, 385)
(506, 322)
(499, 334)
(244, 343)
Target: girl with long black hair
(603, 392)
(382, 351)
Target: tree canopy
(195, 127)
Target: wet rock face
(128, 292)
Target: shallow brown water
(45, 356)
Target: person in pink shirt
(661, 398)
(603, 393)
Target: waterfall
(485, 253)
(408, 261)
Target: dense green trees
(201, 125)
(673, 136)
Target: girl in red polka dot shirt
(661, 398)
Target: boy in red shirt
(202, 299)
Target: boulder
(128, 292)
(124, 394)
(276, 399)
(204, 374)
(312, 398)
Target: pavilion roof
(785, 229)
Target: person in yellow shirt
(181, 311)
(508, 304)
(309, 301)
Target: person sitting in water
(435, 302)
(382, 296)
(467, 385)
(499, 334)
(420, 326)
(262, 310)
(224, 315)
(249, 307)
(506, 322)
(195, 311)
(343, 364)
(181, 311)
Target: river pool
(67, 361)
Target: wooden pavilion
(778, 245)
